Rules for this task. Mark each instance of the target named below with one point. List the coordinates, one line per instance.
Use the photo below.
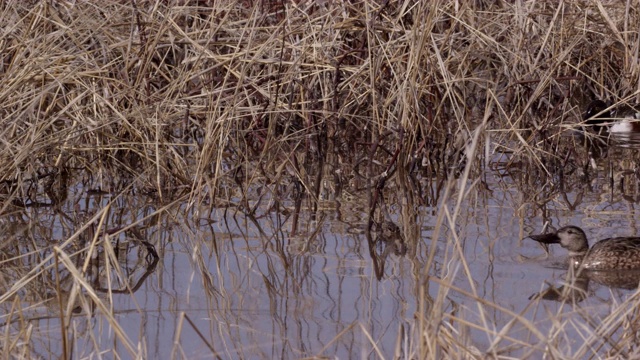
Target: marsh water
(266, 275)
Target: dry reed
(204, 102)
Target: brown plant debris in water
(237, 103)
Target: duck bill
(546, 238)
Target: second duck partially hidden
(622, 119)
(619, 253)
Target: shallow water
(241, 284)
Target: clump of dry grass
(207, 101)
(188, 92)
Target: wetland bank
(300, 179)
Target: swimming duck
(622, 119)
(619, 253)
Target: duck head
(571, 238)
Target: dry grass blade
(105, 309)
(279, 108)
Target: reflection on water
(248, 279)
(616, 279)
(574, 290)
(575, 287)
(626, 139)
